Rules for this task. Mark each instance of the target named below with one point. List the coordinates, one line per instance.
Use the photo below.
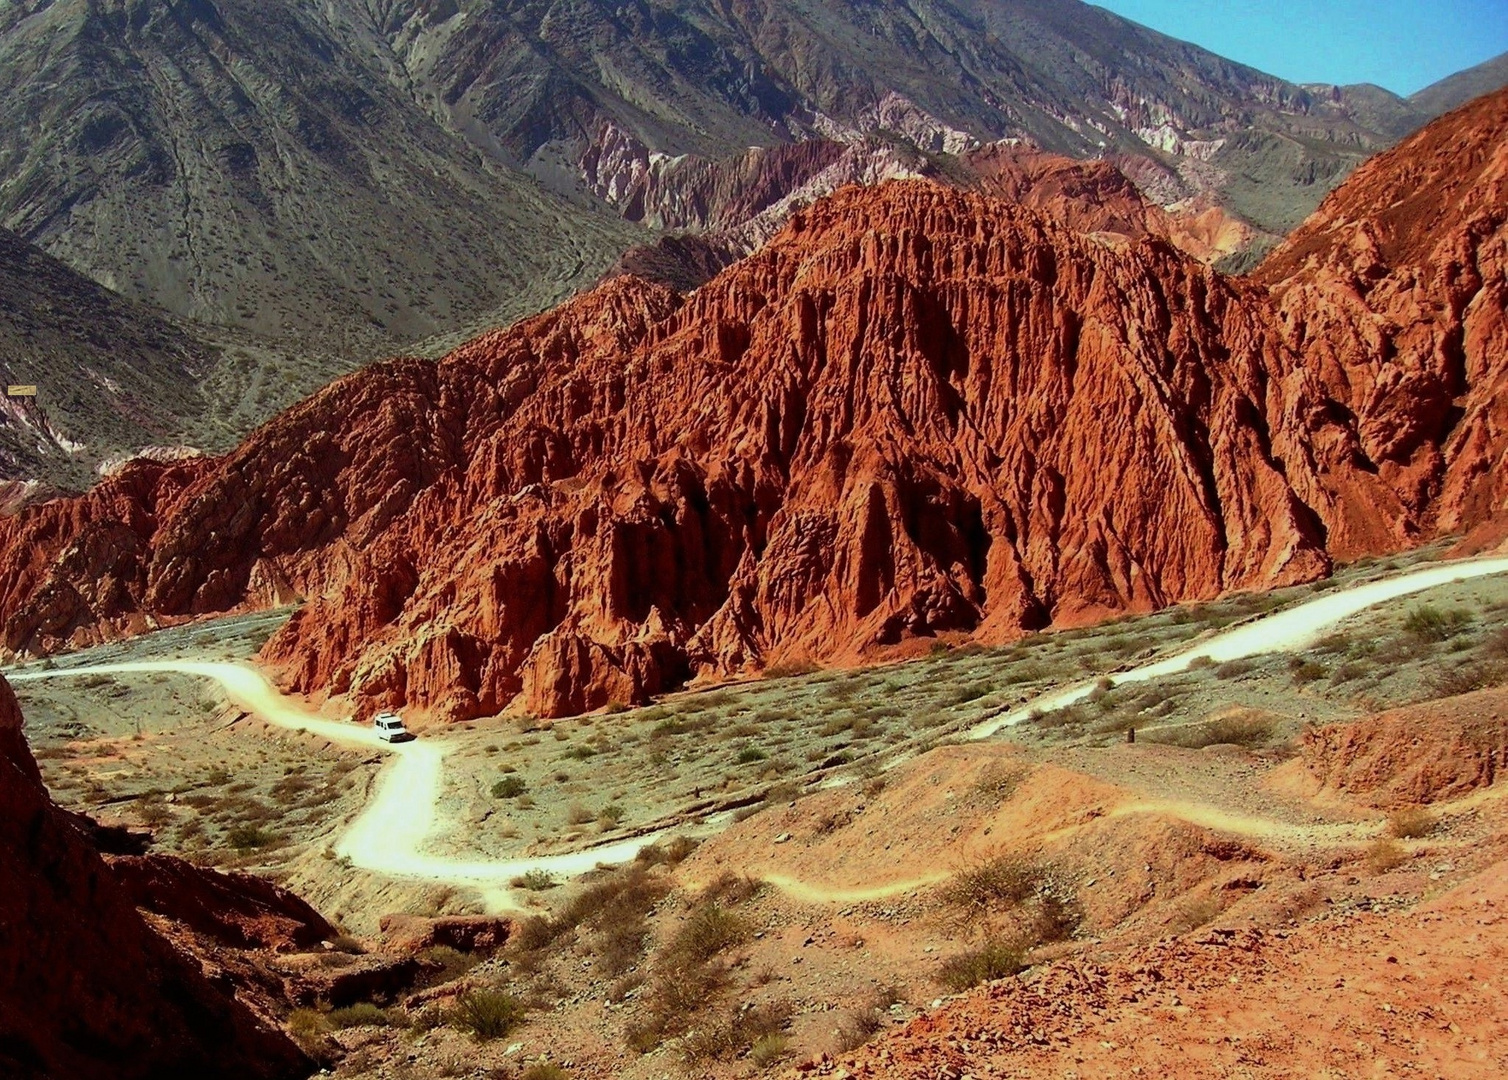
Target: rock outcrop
(90, 990)
(916, 411)
(1395, 293)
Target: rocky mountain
(894, 420)
(1456, 90)
(113, 375)
(91, 990)
(261, 166)
(361, 174)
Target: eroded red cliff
(915, 411)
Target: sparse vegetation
(994, 959)
(1411, 823)
(487, 1014)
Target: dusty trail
(1289, 630)
(389, 835)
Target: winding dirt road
(389, 836)
(1289, 630)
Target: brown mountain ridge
(916, 411)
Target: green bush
(509, 787)
(363, 1014)
(1429, 623)
(487, 1014)
(995, 959)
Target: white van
(389, 728)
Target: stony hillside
(355, 176)
(259, 166)
(113, 375)
(92, 990)
(1456, 90)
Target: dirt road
(388, 837)
(1289, 630)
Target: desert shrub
(750, 754)
(965, 694)
(994, 959)
(673, 999)
(1307, 672)
(543, 1070)
(672, 853)
(450, 964)
(578, 814)
(613, 708)
(709, 930)
(509, 787)
(487, 1014)
(989, 884)
(1429, 623)
(1238, 730)
(611, 816)
(580, 753)
(250, 837)
(1463, 679)
(534, 881)
(1054, 919)
(307, 1025)
(363, 1014)
(731, 888)
(1201, 662)
(1350, 671)
(1411, 823)
(729, 1038)
(1385, 854)
(1234, 669)
(769, 1050)
(858, 1027)
(790, 669)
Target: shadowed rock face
(915, 411)
(90, 991)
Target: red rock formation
(1394, 293)
(89, 990)
(238, 910)
(915, 411)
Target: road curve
(389, 835)
(1288, 630)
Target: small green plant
(534, 881)
(544, 1070)
(509, 787)
(750, 754)
(769, 1050)
(487, 1014)
(363, 1014)
(994, 959)
(1385, 854)
(610, 817)
(250, 837)
(1429, 623)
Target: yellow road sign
(20, 391)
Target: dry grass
(1411, 823)
(995, 959)
(1385, 854)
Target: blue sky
(1403, 45)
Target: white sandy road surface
(1289, 630)
(389, 836)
